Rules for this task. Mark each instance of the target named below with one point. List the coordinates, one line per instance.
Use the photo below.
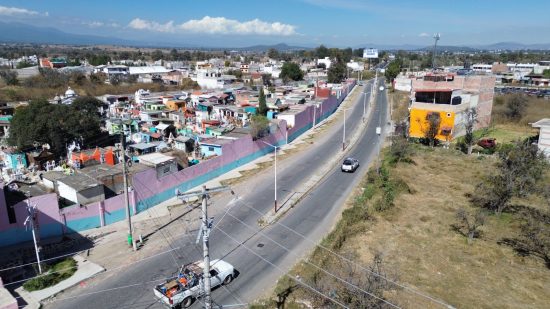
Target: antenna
(437, 36)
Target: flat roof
(545, 122)
(79, 181)
(155, 158)
(143, 146)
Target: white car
(182, 290)
(350, 165)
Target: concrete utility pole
(206, 226)
(314, 108)
(130, 238)
(275, 148)
(31, 215)
(344, 133)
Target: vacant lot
(419, 244)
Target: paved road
(259, 260)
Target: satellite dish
(136, 137)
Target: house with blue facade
(14, 159)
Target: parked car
(487, 143)
(350, 165)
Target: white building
(356, 66)
(327, 62)
(541, 66)
(112, 70)
(482, 68)
(544, 135)
(208, 79)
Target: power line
(284, 273)
(316, 266)
(414, 291)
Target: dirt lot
(419, 245)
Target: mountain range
(25, 33)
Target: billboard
(370, 53)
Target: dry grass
(419, 245)
(399, 101)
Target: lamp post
(344, 131)
(275, 148)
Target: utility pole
(31, 217)
(437, 36)
(204, 231)
(314, 108)
(126, 199)
(344, 133)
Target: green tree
(291, 71)
(546, 73)
(516, 106)
(95, 59)
(273, 53)
(54, 124)
(174, 55)
(259, 126)
(322, 52)
(157, 55)
(519, 173)
(262, 106)
(227, 63)
(393, 70)
(23, 64)
(9, 77)
(337, 72)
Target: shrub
(57, 273)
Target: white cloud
(217, 25)
(13, 11)
(142, 24)
(98, 24)
(423, 35)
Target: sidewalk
(160, 224)
(329, 165)
(86, 269)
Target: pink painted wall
(48, 210)
(146, 184)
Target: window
(213, 273)
(210, 148)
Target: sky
(339, 23)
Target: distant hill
(280, 47)
(24, 33)
(516, 46)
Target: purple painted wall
(148, 190)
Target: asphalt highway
(260, 256)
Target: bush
(259, 126)
(57, 273)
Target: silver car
(350, 165)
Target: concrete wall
(149, 190)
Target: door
(215, 279)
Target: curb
(313, 181)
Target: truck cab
(182, 289)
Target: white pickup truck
(183, 289)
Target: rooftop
(79, 181)
(545, 122)
(155, 159)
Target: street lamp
(275, 148)
(344, 131)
